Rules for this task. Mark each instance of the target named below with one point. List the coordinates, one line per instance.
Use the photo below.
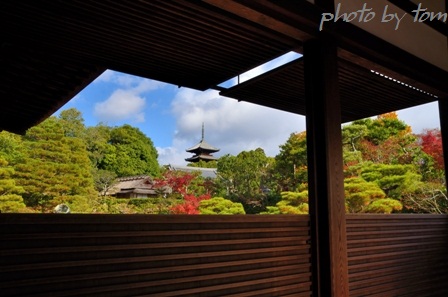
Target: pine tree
(55, 166)
(219, 205)
(10, 194)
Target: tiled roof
(203, 146)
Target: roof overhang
(51, 50)
(363, 92)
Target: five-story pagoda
(202, 151)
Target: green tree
(394, 180)
(383, 127)
(360, 193)
(10, 194)
(133, 154)
(385, 139)
(362, 196)
(103, 180)
(101, 152)
(11, 147)
(244, 178)
(352, 136)
(219, 205)
(291, 203)
(204, 164)
(72, 123)
(384, 205)
(54, 166)
(290, 170)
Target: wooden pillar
(443, 116)
(325, 171)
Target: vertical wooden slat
(325, 174)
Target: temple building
(202, 151)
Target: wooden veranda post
(443, 117)
(325, 171)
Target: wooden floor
(144, 255)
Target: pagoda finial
(202, 151)
(202, 130)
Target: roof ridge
(135, 177)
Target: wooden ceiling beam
(269, 15)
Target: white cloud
(146, 85)
(106, 76)
(118, 78)
(170, 155)
(121, 105)
(129, 82)
(127, 101)
(230, 125)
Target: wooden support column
(443, 117)
(325, 171)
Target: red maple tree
(179, 183)
(431, 142)
(190, 204)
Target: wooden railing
(131, 255)
(398, 255)
(141, 255)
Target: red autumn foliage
(190, 205)
(396, 149)
(431, 142)
(178, 181)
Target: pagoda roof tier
(197, 158)
(202, 146)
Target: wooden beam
(382, 54)
(325, 171)
(268, 15)
(410, 7)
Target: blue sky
(172, 117)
